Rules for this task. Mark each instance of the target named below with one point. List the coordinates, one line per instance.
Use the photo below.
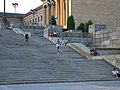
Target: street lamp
(15, 5)
(51, 2)
(4, 15)
(33, 11)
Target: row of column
(59, 9)
(49, 10)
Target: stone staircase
(37, 61)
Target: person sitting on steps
(115, 73)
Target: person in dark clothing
(26, 37)
(94, 52)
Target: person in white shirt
(115, 73)
(58, 43)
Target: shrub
(87, 25)
(52, 20)
(70, 23)
(81, 27)
(84, 26)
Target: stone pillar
(67, 11)
(45, 15)
(63, 13)
(52, 10)
(48, 14)
(58, 12)
(60, 15)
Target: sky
(24, 6)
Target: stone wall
(15, 22)
(108, 38)
(99, 11)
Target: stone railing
(81, 49)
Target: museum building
(99, 11)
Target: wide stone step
(67, 71)
(38, 61)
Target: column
(58, 12)
(67, 11)
(48, 14)
(53, 10)
(45, 15)
(61, 12)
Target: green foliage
(84, 26)
(70, 23)
(52, 20)
(81, 27)
(87, 25)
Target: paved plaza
(111, 85)
(37, 63)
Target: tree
(81, 27)
(52, 21)
(70, 23)
(87, 25)
(84, 26)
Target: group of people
(52, 34)
(93, 52)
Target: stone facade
(108, 38)
(99, 11)
(36, 18)
(58, 8)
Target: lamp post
(4, 26)
(33, 11)
(15, 5)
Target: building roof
(11, 14)
(36, 9)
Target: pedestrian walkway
(37, 61)
(111, 85)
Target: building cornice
(37, 9)
(42, 0)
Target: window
(35, 20)
(38, 19)
(41, 17)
